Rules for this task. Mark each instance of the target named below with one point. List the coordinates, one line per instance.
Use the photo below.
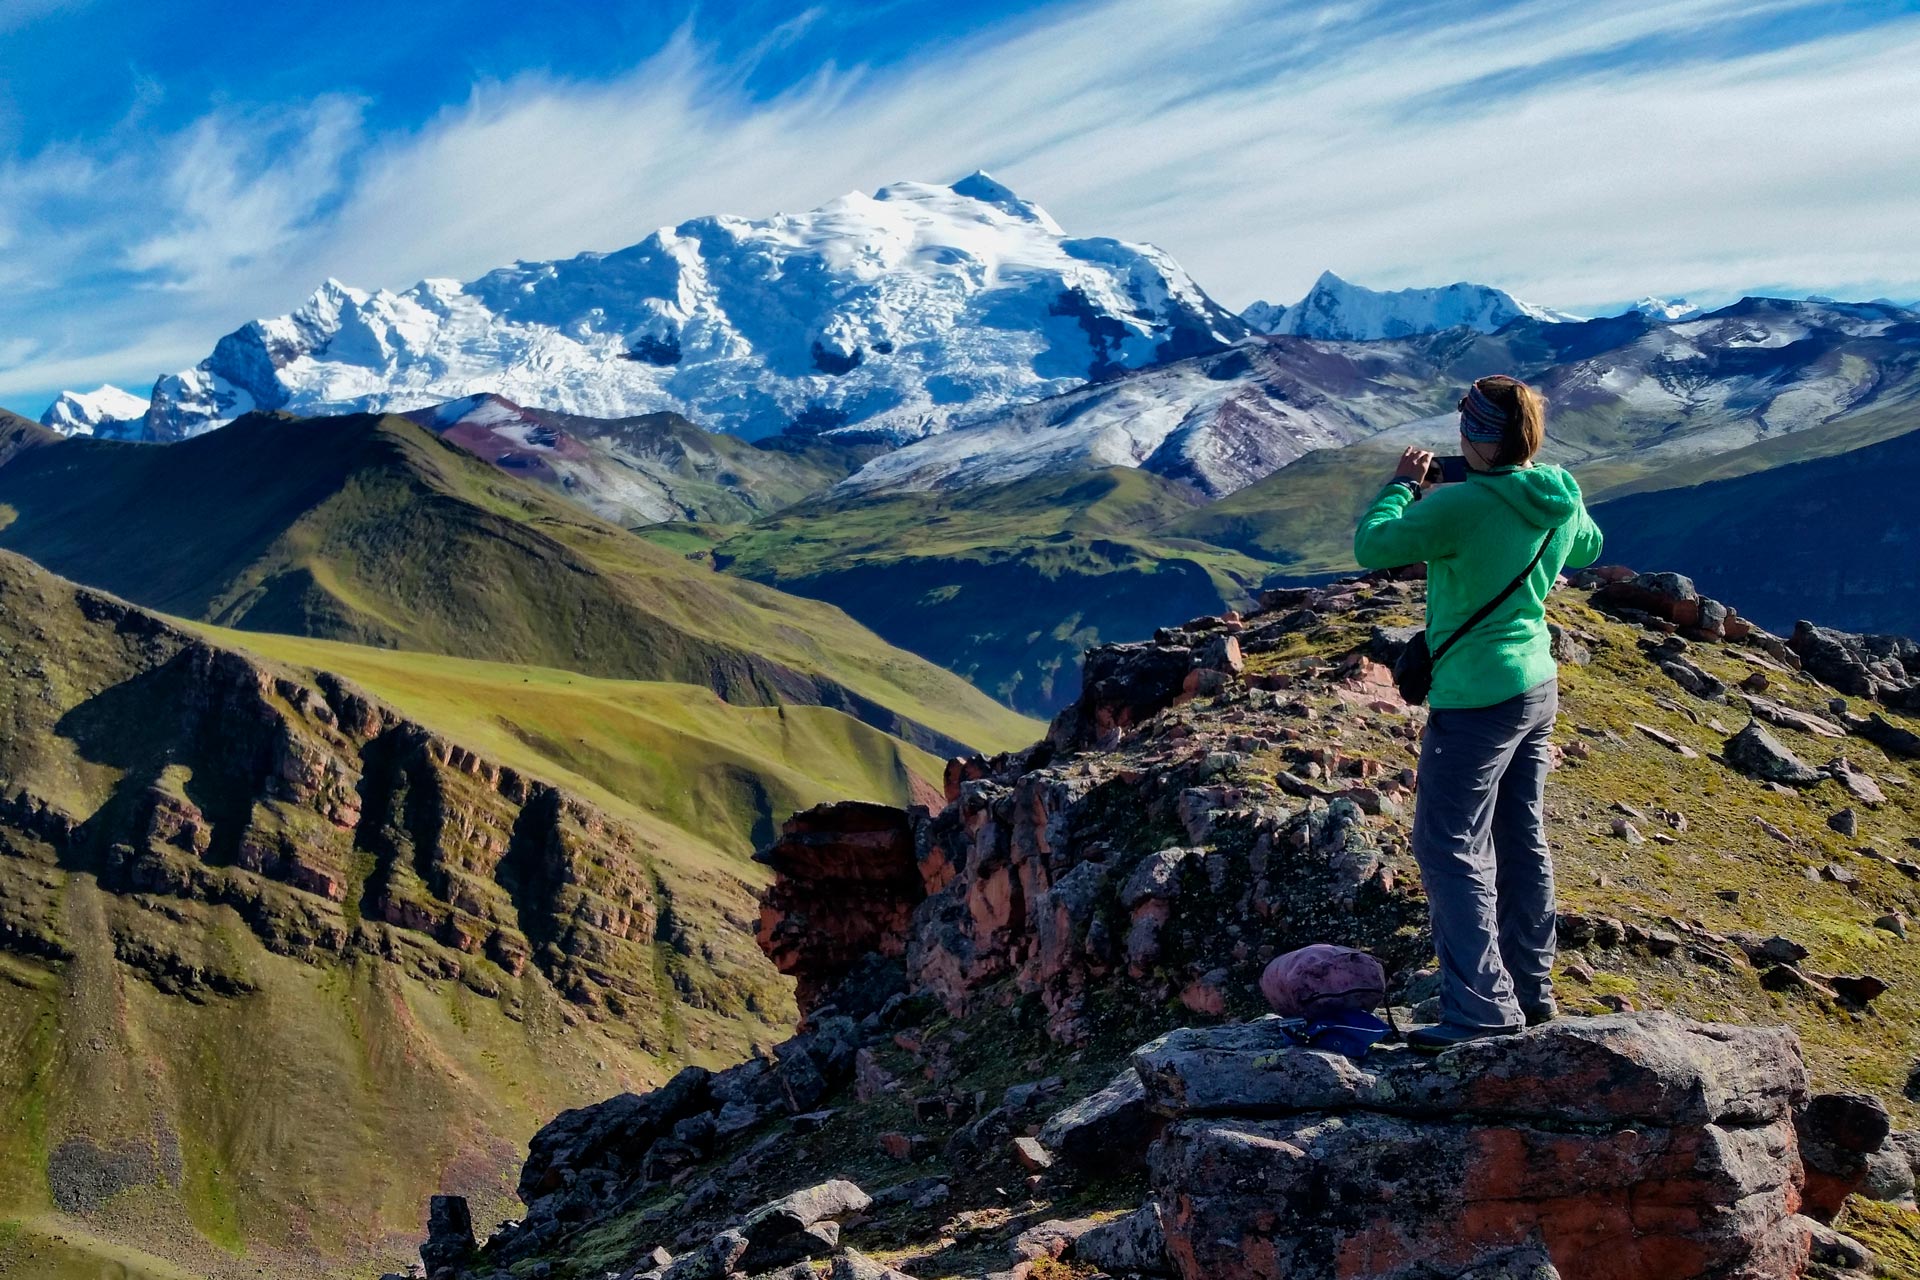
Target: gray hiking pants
(1480, 837)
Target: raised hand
(1414, 464)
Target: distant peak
(984, 187)
(1328, 280)
(981, 185)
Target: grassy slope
(713, 476)
(1609, 479)
(1300, 518)
(374, 531)
(658, 753)
(299, 1127)
(310, 1116)
(1832, 538)
(1005, 584)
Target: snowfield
(897, 312)
(1338, 309)
(105, 410)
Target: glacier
(1342, 311)
(106, 411)
(897, 313)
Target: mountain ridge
(1340, 310)
(894, 312)
(279, 959)
(372, 529)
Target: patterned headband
(1482, 420)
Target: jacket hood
(1544, 496)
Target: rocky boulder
(1622, 1148)
(607, 1135)
(1107, 1130)
(1758, 753)
(1123, 685)
(1131, 1245)
(1670, 597)
(847, 883)
(1886, 668)
(1840, 1134)
(450, 1242)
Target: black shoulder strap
(1494, 603)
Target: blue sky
(168, 171)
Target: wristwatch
(1413, 486)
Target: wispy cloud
(16, 14)
(1664, 147)
(236, 190)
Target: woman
(1478, 832)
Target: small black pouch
(1413, 670)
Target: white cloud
(1259, 142)
(236, 190)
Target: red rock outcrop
(1623, 1148)
(1125, 684)
(848, 882)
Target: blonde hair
(1526, 411)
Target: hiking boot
(1442, 1036)
(1539, 1014)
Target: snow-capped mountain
(1663, 392)
(1666, 308)
(1219, 422)
(895, 312)
(1337, 309)
(106, 410)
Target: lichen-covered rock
(1838, 1134)
(1125, 684)
(1107, 1130)
(853, 1265)
(716, 1260)
(1651, 1067)
(450, 1241)
(1283, 1163)
(613, 1134)
(828, 1201)
(1129, 1245)
(1886, 668)
(1755, 751)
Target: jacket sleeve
(1586, 539)
(1396, 530)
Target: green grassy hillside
(1301, 518)
(372, 530)
(713, 476)
(246, 1020)
(1006, 584)
(673, 754)
(1833, 538)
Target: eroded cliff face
(261, 895)
(329, 823)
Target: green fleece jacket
(1474, 536)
